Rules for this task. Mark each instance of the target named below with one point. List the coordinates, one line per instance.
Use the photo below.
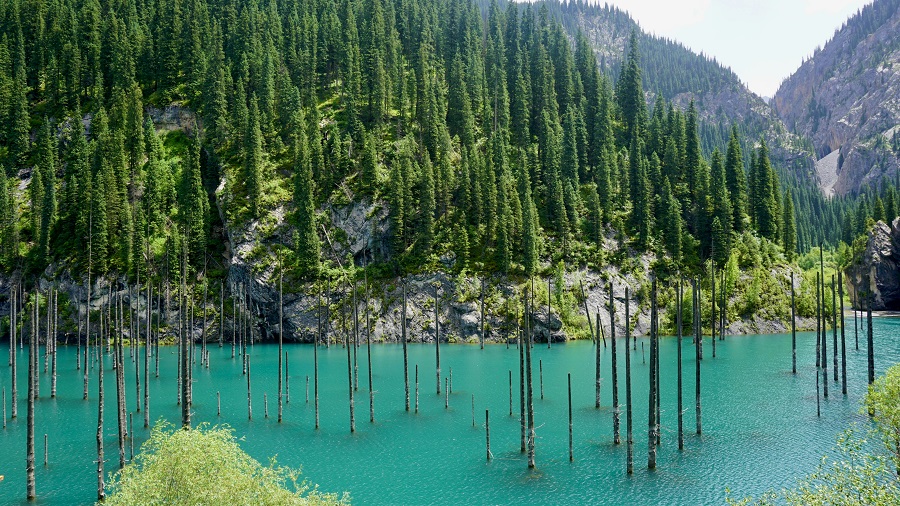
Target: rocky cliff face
(873, 279)
(844, 99)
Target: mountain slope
(680, 75)
(845, 100)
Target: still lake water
(760, 429)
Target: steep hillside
(845, 100)
(680, 75)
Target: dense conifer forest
(488, 131)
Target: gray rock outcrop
(873, 279)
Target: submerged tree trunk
(629, 437)
(793, 327)
(281, 335)
(615, 377)
(101, 492)
(522, 334)
(437, 341)
(530, 391)
(350, 373)
(843, 337)
(651, 433)
(119, 350)
(871, 342)
(405, 355)
(369, 355)
(834, 339)
(698, 348)
(679, 294)
(29, 444)
(14, 317)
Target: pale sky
(763, 41)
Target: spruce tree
(672, 226)
(721, 210)
(736, 182)
(8, 221)
(630, 92)
(307, 238)
(426, 207)
(529, 218)
(253, 159)
(46, 167)
(789, 231)
(193, 204)
(19, 119)
(369, 166)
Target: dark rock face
(874, 278)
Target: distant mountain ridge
(844, 99)
(681, 75)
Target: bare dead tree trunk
(843, 337)
(834, 346)
(871, 341)
(369, 353)
(119, 354)
(588, 313)
(355, 339)
(101, 487)
(629, 458)
(793, 327)
(147, 348)
(14, 320)
(530, 390)
(698, 348)
(571, 452)
(651, 433)
(249, 399)
(29, 444)
(615, 377)
(522, 344)
(405, 354)
(281, 337)
(437, 341)
(487, 431)
(350, 375)
(482, 313)
(679, 299)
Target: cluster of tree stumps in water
(123, 323)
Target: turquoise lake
(760, 429)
